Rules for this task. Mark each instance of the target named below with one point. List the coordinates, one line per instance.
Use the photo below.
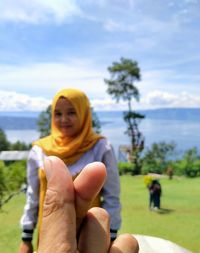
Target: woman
(72, 140)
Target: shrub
(15, 175)
(182, 167)
(152, 168)
(12, 177)
(126, 168)
(2, 182)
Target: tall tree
(96, 124)
(4, 144)
(121, 85)
(44, 122)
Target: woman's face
(66, 118)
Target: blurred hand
(69, 225)
(25, 247)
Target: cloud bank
(13, 101)
(37, 11)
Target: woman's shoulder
(101, 147)
(103, 143)
(36, 153)
(36, 149)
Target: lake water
(185, 133)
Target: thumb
(58, 229)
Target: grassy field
(178, 221)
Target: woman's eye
(71, 113)
(58, 114)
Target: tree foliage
(96, 124)
(162, 155)
(4, 144)
(12, 174)
(44, 122)
(123, 75)
(19, 145)
(12, 177)
(189, 165)
(2, 183)
(157, 158)
(121, 85)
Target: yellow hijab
(71, 149)
(68, 149)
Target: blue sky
(46, 45)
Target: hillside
(173, 113)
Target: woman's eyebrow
(71, 108)
(56, 110)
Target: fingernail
(47, 167)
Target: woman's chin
(67, 134)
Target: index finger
(58, 229)
(87, 185)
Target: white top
(102, 151)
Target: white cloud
(47, 78)
(152, 79)
(37, 11)
(108, 104)
(159, 99)
(112, 26)
(33, 87)
(13, 101)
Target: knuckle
(52, 202)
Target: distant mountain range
(28, 120)
(173, 113)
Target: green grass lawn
(178, 221)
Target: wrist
(113, 234)
(27, 235)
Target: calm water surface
(185, 133)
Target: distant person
(73, 140)
(155, 194)
(170, 172)
(151, 197)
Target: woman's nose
(65, 118)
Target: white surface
(150, 244)
(13, 155)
